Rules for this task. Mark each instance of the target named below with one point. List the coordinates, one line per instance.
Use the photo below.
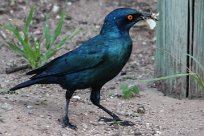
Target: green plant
(34, 52)
(197, 78)
(169, 77)
(128, 92)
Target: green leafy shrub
(129, 92)
(34, 52)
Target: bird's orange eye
(130, 17)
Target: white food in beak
(151, 23)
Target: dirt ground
(36, 110)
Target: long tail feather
(25, 84)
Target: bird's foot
(69, 125)
(66, 123)
(116, 121)
(6, 91)
(123, 123)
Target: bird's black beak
(145, 16)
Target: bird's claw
(66, 123)
(5, 91)
(69, 125)
(116, 121)
(122, 123)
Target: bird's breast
(121, 53)
(118, 57)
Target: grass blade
(37, 50)
(199, 64)
(58, 29)
(26, 47)
(15, 32)
(46, 33)
(16, 48)
(168, 77)
(199, 81)
(28, 20)
(63, 41)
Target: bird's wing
(71, 62)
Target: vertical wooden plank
(198, 47)
(172, 41)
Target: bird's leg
(66, 122)
(95, 99)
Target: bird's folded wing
(69, 63)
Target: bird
(92, 64)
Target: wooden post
(197, 45)
(180, 31)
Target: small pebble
(69, 3)
(76, 97)
(55, 8)
(28, 106)
(6, 106)
(141, 110)
(98, 26)
(101, 123)
(137, 132)
(42, 116)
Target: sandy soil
(37, 110)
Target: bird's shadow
(112, 121)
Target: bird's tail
(26, 84)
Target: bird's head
(121, 20)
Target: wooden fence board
(197, 47)
(172, 40)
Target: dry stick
(17, 68)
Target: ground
(37, 110)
